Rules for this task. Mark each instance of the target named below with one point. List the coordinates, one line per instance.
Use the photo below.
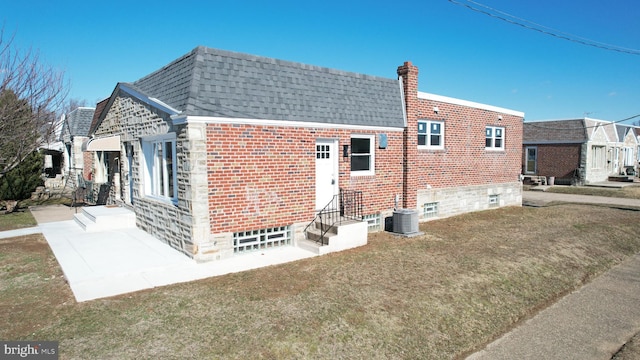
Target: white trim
(183, 119)
(450, 100)
(110, 143)
(149, 100)
(428, 134)
(404, 104)
(150, 167)
(372, 155)
(493, 138)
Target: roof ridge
(305, 66)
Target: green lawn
(16, 220)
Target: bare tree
(31, 96)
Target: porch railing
(347, 205)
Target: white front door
(326, 172)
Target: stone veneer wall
(172, 224)
(462, 199)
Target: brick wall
(264, 176)
(464, 161)
(87, 172)
(234, 178)
(558, 160)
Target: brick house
(221, 152)
(461, 156)
(579, 151)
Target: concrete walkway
(108, 263)
(543, 198)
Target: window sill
(362, 173)
(431, 149)
(162, 200)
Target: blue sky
(460, 53)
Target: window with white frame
(430, 134)
(598, 157)
(160, 160)
(362, 155)
(494, 137)
(628, 156)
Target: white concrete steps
(349, 234)
(103, 218)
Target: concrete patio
(113, 262)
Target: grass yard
(16, 220)
(22, 217)
(441, 295)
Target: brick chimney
(409, 76)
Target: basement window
(373, 222)
(254, 240)
(430, 210)
(494, 200)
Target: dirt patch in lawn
(441, 295)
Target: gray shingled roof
(559, 131)
(79, 120)
(623, 130)
(210, 82)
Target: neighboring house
(627, 152)
(579, 151)
(53, 149)
(220, 152)
(75, 131)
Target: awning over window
(111, 143)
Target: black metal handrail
(351, 204)
(345, 205)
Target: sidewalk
(543, 198)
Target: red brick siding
(464, 160)
(558, 160)
(264, 176)
(87, 171)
